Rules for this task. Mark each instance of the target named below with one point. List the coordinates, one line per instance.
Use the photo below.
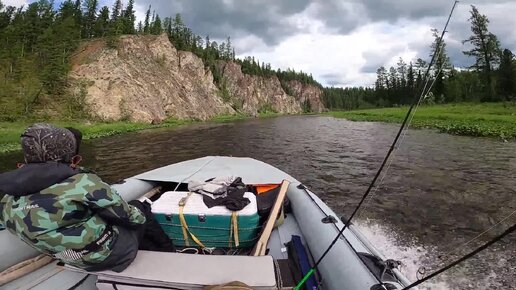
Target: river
(440, 191)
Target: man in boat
(68, 212)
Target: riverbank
(468, 119)
(10, 131)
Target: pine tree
(402, 73)
(78, 12)
(178, 28)
(116, 11)
(89, 18)
(420, 70)
(227, 53)
(410, 83)
(139, 29)
(146, 23)
(507, 76)
(129, 18)
(222, 50)
(117, 22)
(485, 50)
(442, 65)
(156, 26)
(393, 86)
(101, 26)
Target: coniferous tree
(402, 81)
(139, 29)
(116, 11)
(129, 18)
(146, 23)
(410, 83)
(442, 65)
(393, 85)
(77, 12)
(485, 50)
(507, 76)
(156, 26)
(228, 48)
(102, 23)
(420, 70)
(178, 28)
(89, 18)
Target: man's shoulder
(81, 182)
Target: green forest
(37, 41)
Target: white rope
(200, 168)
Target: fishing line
(391, 149)
(464, 258)
(458, 247)
(424, 93)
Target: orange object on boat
(261, 188)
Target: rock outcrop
(307, 94)
(252, 94)
(145, 79)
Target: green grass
(469, 119)
(10, 131)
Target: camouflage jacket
(55, 208)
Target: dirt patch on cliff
(85, 52)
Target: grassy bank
(10, 131)
(469, 119)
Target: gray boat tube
(342, 268)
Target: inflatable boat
(258, 247)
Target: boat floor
(52, 276)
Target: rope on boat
(415, 101)
(200, 168)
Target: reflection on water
(441, 190)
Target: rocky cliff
(145, 79)
(307, 95)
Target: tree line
(37, 41)
(491, 78)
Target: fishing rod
(415, 101)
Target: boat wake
(490, 270)
(411, 255)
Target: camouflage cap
(44, 142)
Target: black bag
(265, 201)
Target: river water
(440, 191)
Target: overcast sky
(341, 42)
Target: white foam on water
(412, 257)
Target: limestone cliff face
(251, 94)
(145, 79)
(307, 94)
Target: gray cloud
(332, 79)
(392, 10)
(267, 21)
(220, 19)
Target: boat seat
(187, 271)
